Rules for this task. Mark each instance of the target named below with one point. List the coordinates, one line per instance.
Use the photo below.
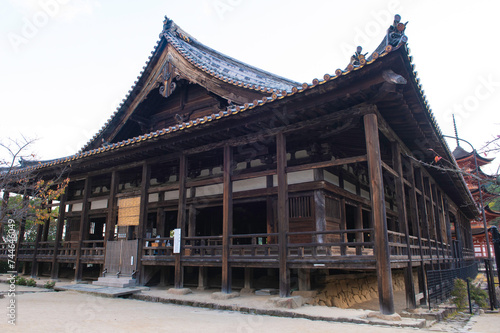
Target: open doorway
(250, 218)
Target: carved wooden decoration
(167, 79)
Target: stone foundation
(345, 290)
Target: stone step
(109, 281)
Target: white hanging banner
(177, 240)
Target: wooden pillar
(143, 218)
(84, 228)
(22, 227)
(202, 278)
(423, 212)
(227, 218)
(411, 302)
(112, 208)
(181, 219)
(46, 225)
(440, 220)
(163, 276)
(270, 213)
(343, 226)
(304, 279)
(319, 206)
(284, 273)
(192, 215)
(59, 229)
(433, 217)
(3, 211)
(248, 279)
(383, 264)
(449, 241)
(360, 236)
(416, 221)
(34, 263)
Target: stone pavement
(260, 305)
(99, 290)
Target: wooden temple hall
(215, 174)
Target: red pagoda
(467, 163)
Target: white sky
(65, 65)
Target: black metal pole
(496, 247)
(468, 296)
(491, 287)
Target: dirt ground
(75, 312)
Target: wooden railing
(263, 246)
(414, 247)
(157, 247)
(26, 249)
(4, 249)
(202, 247)
(92, 249)
(399, 249)
(468, 254)
(45, 249)
(397, 245)
(67, 249)
(327, 244)
(253, 246)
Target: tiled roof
(230, 111)
(218, 65)
(358, 64)
(221, 66)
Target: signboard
(177, 240)
(128, 211)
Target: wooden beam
(250, 175)
(344, 193)
(386, 296)
(84, 228)
(170, 187)
(411, 302)
(389, 133)
(181, 218)
(203, 182)
(59, 229)
(122, 167)
(227, 218)
(326, 164)
(143, 218)
(266, 134)
(282, 214)
(390, 170)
